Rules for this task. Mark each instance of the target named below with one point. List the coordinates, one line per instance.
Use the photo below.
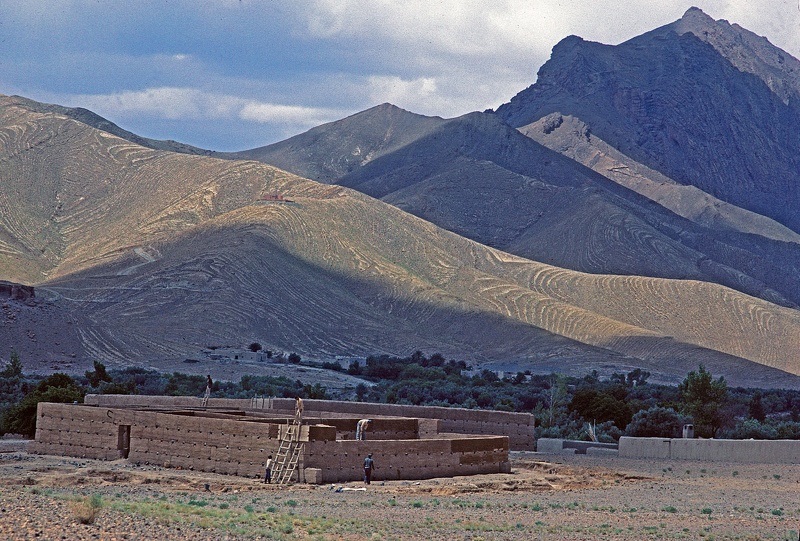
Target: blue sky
(237, 74)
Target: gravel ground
(546, 497)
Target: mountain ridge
(333, 272)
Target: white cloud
(396, 90)
(287, 114)
(190, 103)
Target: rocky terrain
(549, 497)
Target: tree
(13, 369)
(703, 399)
(756, 408)
(600, 406)
(21, 417)
(556, 396)
(254, 347)
(99, 374)
(655, 422)
(354, 369)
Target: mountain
(748, 52)
(672, 102)
(328, 152)
(477, 176)
(145, 257)
(94, 120)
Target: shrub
(752, 429)
(788, 430)
(86, 509)
(656, 422)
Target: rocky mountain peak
(747, 51)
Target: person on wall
(361, 427)
(209, 384)
(298, 410)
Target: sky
(238, 74)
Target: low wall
(753, 451)
(234, 446)
(578, 447)
(518, 427)
(342, 461)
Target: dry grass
(86, 509)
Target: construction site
(320, 443)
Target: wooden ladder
(288, 455)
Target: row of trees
(563, 406)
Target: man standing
(209, 384)
(268, 471)
(369, 465)
(298, 410)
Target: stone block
(312, 476)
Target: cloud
(176, 103)
(287, 114)
(187, 66)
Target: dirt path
(546, 497)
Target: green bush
(656, 422)
(751, 429)
(21, 417)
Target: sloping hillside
(476, 176)
(160, 254)
(328, 152)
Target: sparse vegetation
(86, 509)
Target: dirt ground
(545, 497)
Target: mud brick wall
(518, 427)
(342, 461)
(379, 429)
(217, 445)
(145, 401)
(75, 430)
(223, 445)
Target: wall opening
(124, 441)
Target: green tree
(21, 417)
(703, 398)
(13, 369)
(656, 422)
(556, 399)
(98, 375)
(756, 408)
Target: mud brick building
(236, 436)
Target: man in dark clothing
(369, 465)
